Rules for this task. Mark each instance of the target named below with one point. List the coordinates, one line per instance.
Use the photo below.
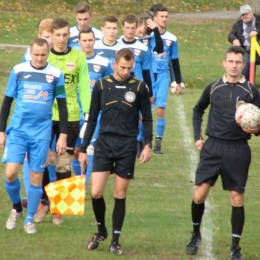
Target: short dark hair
(125, 53)
(39, 42)
(130, 18)
(160, 8)
(155, 6)
(142, 22)
(86, 29)
(59, 23)
(110, 19)
(82, 7)
(236, 50)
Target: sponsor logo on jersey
(120, 86)
(96, 68)
(145, 41)
(168, 42)
(137, 52)
(70, 65)
(49, 78)
(75, 40)
(100, 52)
(130, 96)
(43, 94)
(27, 76)
(92, 82)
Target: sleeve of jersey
(93, 115)
(198, 112)
(11, 88)
(84, 85)
(145, 108)
(108, 71)
(60, 87)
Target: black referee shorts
(72, 134)
(230, 159)
(116, 154)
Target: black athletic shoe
(96, 239)
(193, 245)
(140, 147)
(235, 254)
(115, 249)
(158, 144)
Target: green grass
(158, 223)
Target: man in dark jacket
(242, 32)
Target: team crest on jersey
(70, 65)
(168, 43)
(130, 96)
(92, 82)
(49, 78)
(145, 41)
(96, 68)
(137, 52)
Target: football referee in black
(226, 151)
(119, 97)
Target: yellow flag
(67, 196)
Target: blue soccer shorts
(161, 89)
(16, 148)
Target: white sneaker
(12, 220)
(29, 228)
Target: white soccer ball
(174, 86)
(247, 116)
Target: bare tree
(255, 4)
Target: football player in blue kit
(34, 85)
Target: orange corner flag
(67, 196)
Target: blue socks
(76, 167)
(13, 190)
(160, 126)
(52, 173)
(34, 197)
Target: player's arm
(145, 108)
(92, 122)
(146, 72)
(198, 112)
(4, 114)
(95, 106)
(158, 39)
(63, 115)
(84, 85)
(10, 94)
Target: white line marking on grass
(207, 225)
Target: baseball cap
(245, 9)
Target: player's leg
(160, 103)
(98, 184)
(124, 170)
(37, 157)
(75, 162)
(207, 173)
(26, 175)
(102, 166)
(236, 162)
(14, 153)
(140, 137)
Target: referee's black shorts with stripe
(229, 159)
(116, 154)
